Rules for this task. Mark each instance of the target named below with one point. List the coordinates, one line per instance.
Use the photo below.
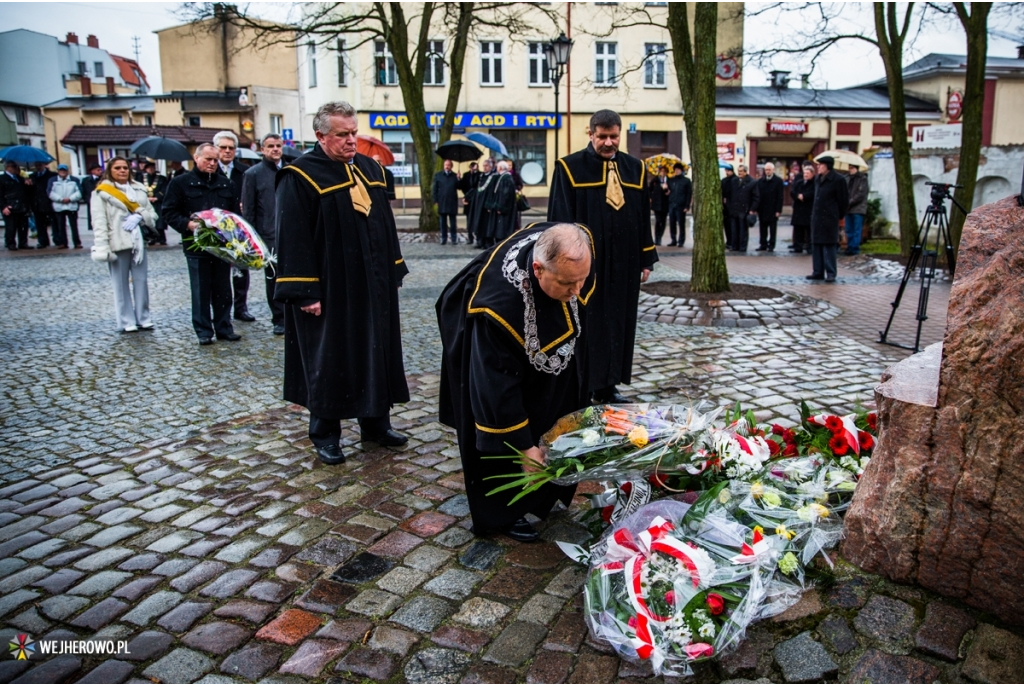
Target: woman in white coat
(119, 205)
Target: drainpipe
(568, 84)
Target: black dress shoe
(761, 249)
(522, 531)
(830, 280)
(812, 277)
(388, 438)
(279, 329)
(206, 341)
(233, 337)
(244, 316)
(330, 455)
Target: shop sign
(943, 136)
(788, 128)
(955, 106)
(727, 152)
(401, 171)
(526, 120)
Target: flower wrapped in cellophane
(228, 236)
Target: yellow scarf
(113, 192)
(360, 197)
(613, 190)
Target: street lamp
(556, 56)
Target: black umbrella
(157, 147)
(458, 151)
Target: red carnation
(657, 481)
(838, 445)
(773, 447)
(789, 436)
(833, 423)
(715, 603)
(670, 597)
(777, 429)
(866, 441)
(790, 450)
(873, 421)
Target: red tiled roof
(128, 67)
(126, 135)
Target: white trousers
(130, 279)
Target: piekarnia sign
(787, 128)
(530, 120)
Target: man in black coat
(479, 215)
(831, 200)
(156, 186)
(15, 203)
(803, 203)
(227, 147)
(259, 208)
(743, 202)
(89, 184)
(728, 182)
(467, 184)
(209, 277)
(658, 188)
(446, 198)
(680, 196)
(502, 205)
(42, 206)
(770, 190)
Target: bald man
(769, 207)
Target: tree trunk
(460, 40)
(695, 70)
(890, 46)
(976, 27)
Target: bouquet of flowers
(228, 236)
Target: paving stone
(550, 667)
(55, 670)
(436, 665)
(42, 549)
(100, 584)
(180, 666)
(204, 547)
(174, 541)
(302, 534)
(481, 555)
(886, 620)
(326, 596)
(67, 557)
(107, 537)
(242, 549)
(112, 671)
(803, 660)
(348, 630)
(849, 594)
(142, 562)
(878, 667)
(368, 663)
(362, 568)
(252, 662)
(273, 556)
(21, 542)
(837, 633)
(11, 565)
(14, 529)
(539, 556)
(101, 614)
(148, 645)
(427, 523)
(219, 637)
(453, 584)
(454, 537)
(10, 669)
(395, 545)
(103, 558)
(457, 506)
(394, 510)
(512, 582)
(297, 573)
(230, 583)
(311, 657)
(174, 567)
(61, 607)
(460, 638)
(253, 612)
(361, 534)
(182, 617)
(22, 578)
(567, 583)
(994, 656)
(427, 559)
(567, 634)
(422, 613)
(155, 605)
(943, 629)
(515, 644)
(290, 628)
(595, 669)
(393, 640)
(374, 603)
(481, 613)
(202, 573)
(270, 591)
(489, 673)
(809, 604)
(328, 551)
(541, 608)
(138, 587)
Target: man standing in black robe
(514, 363)
(479, 215)
(604, 189)
(339, 268)
(501, 204)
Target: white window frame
(492, 58)
(654, 56)
(606, 53)
(276, 123)
(535, 55)
(435, 55)
(341, 48)
(380, 49)
(311, 64)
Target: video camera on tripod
(940, 192)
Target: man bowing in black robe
(604, 190)
(514, 362)
(339, 268)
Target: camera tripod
(935, 216)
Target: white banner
(942, 136)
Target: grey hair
(503, 164)
(202, 147)
(561, 241)
(605, 118)
(270, 136)
(225, 134)
(322, 118)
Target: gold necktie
(613, 191)
(360, 197)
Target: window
(148, 119)
(97, 68)
(525, 146)
(276, 123)
(195, 121)
(434, 73)
(81, 68)
(115, 120)
(653, 143)
(490, 63)
(21, 116)
(538, 65)
(605, 64)
(311, 62)
(342, 76)
(654, 65)
(387, 75)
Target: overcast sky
(116, 23)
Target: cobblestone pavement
(160, 494)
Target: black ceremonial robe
(491, 392)
(347, 362)
(479, 215)
(502, 206)
(624, 248)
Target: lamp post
(556, 56)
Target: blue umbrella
(488, 141)
(25, 154)
(724, 165)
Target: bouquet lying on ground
(228, 236)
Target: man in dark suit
(446, 197)
(156, 187)
(42, 207)
(89, 184)
(468, 184)
(831, 202)
(743, 202)
(15, 201)
(227, 146)
(770, 189)
(259, 208)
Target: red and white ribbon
(849, 428)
